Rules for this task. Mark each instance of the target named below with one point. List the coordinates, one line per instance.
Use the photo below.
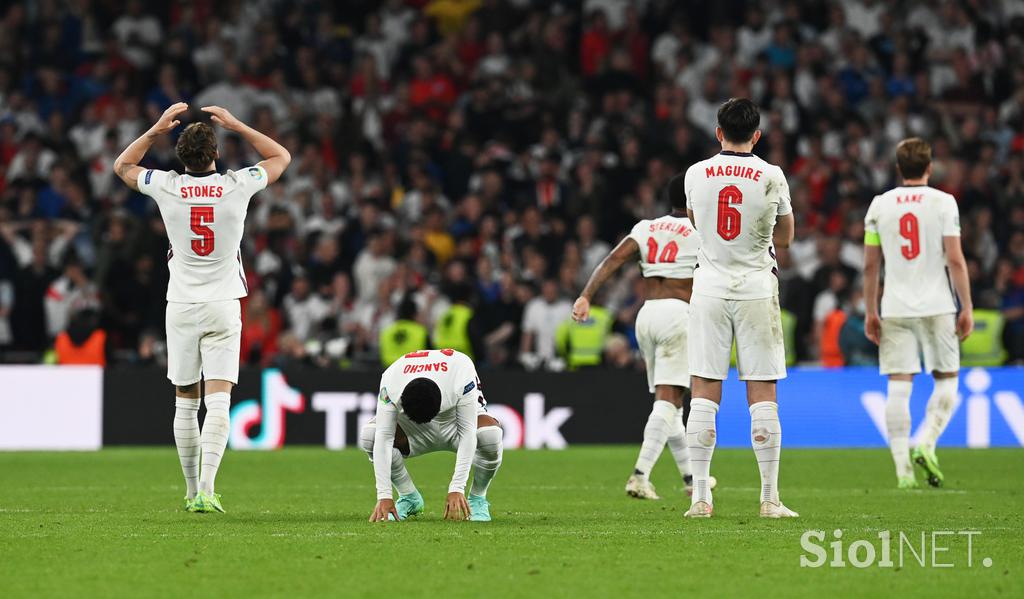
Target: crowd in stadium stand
(461, 166)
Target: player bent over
(667, 251)
(431, 401)
(204, 214)
(741, 206)
(916, 228)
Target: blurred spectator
(500, 145)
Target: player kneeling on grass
(431, 401)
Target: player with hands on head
(204, 215)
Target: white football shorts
(661, 333)
(436, 435)
(756, 327)
(203, 341)
(906, 340)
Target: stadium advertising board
(51, 407)
(819, 408)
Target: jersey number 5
(668, 254)
(910, 231)
(729, 217)
(199, 218)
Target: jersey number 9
(729, 217)
(200, 216)
(910, 231)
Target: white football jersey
(453, 371)
(668, 247)
(205, 218)
(735, 198)
(910, 223)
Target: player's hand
(456, 507)
(384, 507)
(169, 119)
(964, 324)
(223, 118)
(581, 309)
(873, 328)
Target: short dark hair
(677, 192)
(739, 119)
(913, 155)
(421, 400)
(197, 147)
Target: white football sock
(939, 410)
(701, 437)
(186, 438)
(677, 444)
(766, 439)
(400, 475)
(216, 427)
(487, 459)
(659, 423)
(897, 426)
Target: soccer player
(431, 401)
(741, 206)
(916, 228)
(204, 214)
(667, 250)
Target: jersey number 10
(910, 231)
(199, 217)
(668, 253)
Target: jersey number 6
(729, 217)
(199, 217)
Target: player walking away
(431, 401)
(741, 205)
(917, 230)
(204, 214)
(667, 250)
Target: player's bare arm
(785, 229)
(126, 166)
(275, 157)
(693, 219)
(625, 251)
(872, 267)
(961, 283)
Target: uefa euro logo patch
(254, 172)
(383, 397)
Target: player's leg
(761, 362)
(410, 501)
(710, 344)
(660, 419)
(898, 354)
(942, 358)
(485, 465)
(184, 371)
(219, 348)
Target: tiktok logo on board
(277, 398)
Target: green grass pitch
(109, 524)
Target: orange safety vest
(93, 351)
(831, 354)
